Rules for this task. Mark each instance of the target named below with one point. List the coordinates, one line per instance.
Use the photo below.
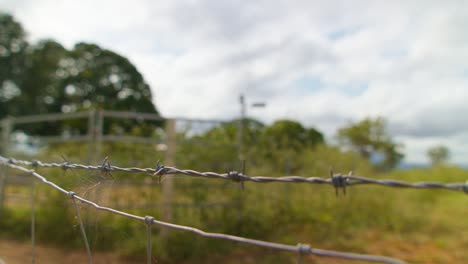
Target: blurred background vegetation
(420, 226)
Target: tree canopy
(438, 154)
(371, 140)
(12, 48)
(45, 77)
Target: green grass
(431, 224)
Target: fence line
(301, 249)
(336, 180)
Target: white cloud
(322, 62)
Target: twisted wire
(336, 180)
(301, 249)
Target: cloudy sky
(324, 63)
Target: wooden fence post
(6, 130)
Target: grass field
(419, 226)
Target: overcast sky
(324, 63)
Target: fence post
(33, 221)
(6, 130)
(98, 135)
(91, 135)
(168, 181)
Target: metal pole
(241, 127)
(149, 221)
(91, 135)
(6, 130)
(33, 221)
(168, 182)
(98, 135)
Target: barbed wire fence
(95, 137)
(338, 181)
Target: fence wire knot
(339, 181)
(237, 177)
(149, 220)
(106, 167)
(71, 194)
(303, 249)
(66, 165)
(35, 163)
(159, 171)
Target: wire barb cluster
(300, 249)
(338, 180)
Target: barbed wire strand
(300, 248)
(337, 180)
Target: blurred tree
(47, 78)
(39, 85)
(284, 141)
(288, 134)
(12, 47)
(438, 155)
(223, 143)
(371, 140)
(96, 78)
(100, 78)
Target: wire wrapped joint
(237, 177)
(35, 163)
(160, 169)
(149, 220)
(71, 194)
(65, 166)
(340, 181)
(303, 249)
(106, 167)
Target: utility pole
(241, 127)
(243, 115)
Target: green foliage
(276, 148)
(285, 213)
(45, 77)
(12, 47)
(438, 155)
(288, 134)
(371, 140)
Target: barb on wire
(300, 248)
(337, 180)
